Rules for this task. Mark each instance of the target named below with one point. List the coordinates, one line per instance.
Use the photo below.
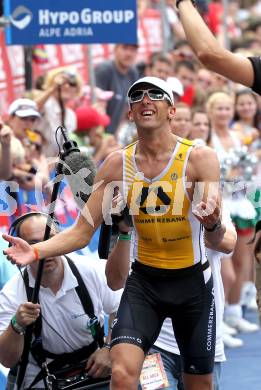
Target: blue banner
(35, 22)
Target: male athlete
(161, 174)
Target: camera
(72, 80)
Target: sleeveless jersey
(167, 234)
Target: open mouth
(147, 113)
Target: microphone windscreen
(79, 169)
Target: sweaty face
(149, 113)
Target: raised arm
(79, 235)
(208, 50)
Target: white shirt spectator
(63, 311)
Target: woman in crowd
(246, 116)
(61, 86)
(200, 127)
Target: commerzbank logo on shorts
(211, 318)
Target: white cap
(23, 108)
(156, 82)
(176, 86)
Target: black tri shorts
(153, 294)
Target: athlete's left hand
(208, 213)
(99, 363)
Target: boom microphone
(79, 169)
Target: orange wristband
(36, 253)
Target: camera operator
(65, 326)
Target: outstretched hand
(20, 253)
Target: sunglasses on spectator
(153, 94)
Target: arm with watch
(227, 232)
(12, 339)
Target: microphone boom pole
(68, 146)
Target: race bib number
(153, 375)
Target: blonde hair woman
(220, 109)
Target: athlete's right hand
(20, 253)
